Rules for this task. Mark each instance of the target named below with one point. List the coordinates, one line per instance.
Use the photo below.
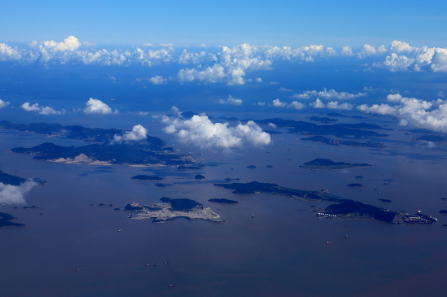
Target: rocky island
(147, 177)
(169, 209)
(223, 201)
(326, 164)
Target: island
(443, 211)
(199, 176)
(223, 201)
(131, 154)
(169, 209)
(8, 179)
(324, 120)
(326, 164)
(337, 142)
(5, 221)
(147, 177)
(341, 208)
(355, 185)
(384, 200)
(251, 167)
(182, 167)
(230, 179)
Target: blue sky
(190, 23)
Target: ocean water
(271, 246)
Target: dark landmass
(199, 176)
(326, 164)
(8, 179)
(223, 201)
(117, 153)
(251, 166)
(358, 210)
(234, 119)
(116, 208)
(357, 131)
(161, 185)
(359, 176)
(359, 117)
(182, 204)
(336, 114)
(443, 211)
(355, 185)
(230, 179)
(444, 199)
(269, 166)
(385, 200)
(181, 167)
(82, 133)
(324, 120)
(347, 207)
(147, 177)
(330, 141)
(5, 221)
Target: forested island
(147, 177)
(326, 164)
(223, 201)
(337, 142)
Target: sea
(271, 245)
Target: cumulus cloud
(157, 80)
(259, 80)
(336, 105)
(346, 51)
(317, 104)
(413, 111)
(201, 131)
(368, 50)
(325, 94)
(96, 106)
(277, 103)
(230, 100)
(138, 133)
(294, 104)
(10, 194)
(3, 103)
(261, 103)
(43, 110)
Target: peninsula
(8, 179)
(169, 209)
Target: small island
(170, 209)
(5, 221)
(326, 164)
(385, 200)
(443, 211)
(199, 176)
(355, 185)
(147, 177)
(223, 201)
(338, 142)
(251, 167)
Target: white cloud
(282, 89)
(8, 53)
(400, 46)
(138, 133)
(231, 100)
(167, 44)
(203, 45)
(271, 125)
(157, 80)
(261, 103)
(368, 50)
(96, 106)
(274, 83)
(10, 194)
(277, 103)
(346, 51)
(336, 105)
(317, 104)
(325, 94)
(259, 80)
(200, 131)
(148, 44)
(41, 110)
(3, 103)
